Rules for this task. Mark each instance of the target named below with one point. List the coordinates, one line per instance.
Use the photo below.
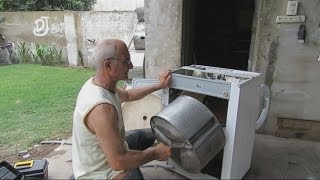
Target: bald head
(107, 48)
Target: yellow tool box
(33, 169)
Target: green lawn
(36, 103)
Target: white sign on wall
(42, 27)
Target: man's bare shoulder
(100, 116)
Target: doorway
(217, 33)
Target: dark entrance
(217, 33)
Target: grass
(36, 103)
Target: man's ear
(107, 64)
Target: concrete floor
(273, 158)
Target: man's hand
(138, 93)
(162, 152)
(164, 79)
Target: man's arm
(102, 120)
(138, 93)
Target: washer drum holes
(192, 131)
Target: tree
(46, 5)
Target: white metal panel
(243, 111)
(230, 132)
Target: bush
(53, 56)
(44, 54)
(48, 55)
(24, 54)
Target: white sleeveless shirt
(88, 159)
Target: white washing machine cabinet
(244, 91)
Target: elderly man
(100, 147)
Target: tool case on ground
(8, 172)
(34, 169)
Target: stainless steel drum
(192, 131)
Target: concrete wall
(34, 28)
(117, 5)
(101, 25)
(163, 21)
(68, 30)
(291, 69)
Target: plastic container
(9, 172)
(35, 169)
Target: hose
(266, 97)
